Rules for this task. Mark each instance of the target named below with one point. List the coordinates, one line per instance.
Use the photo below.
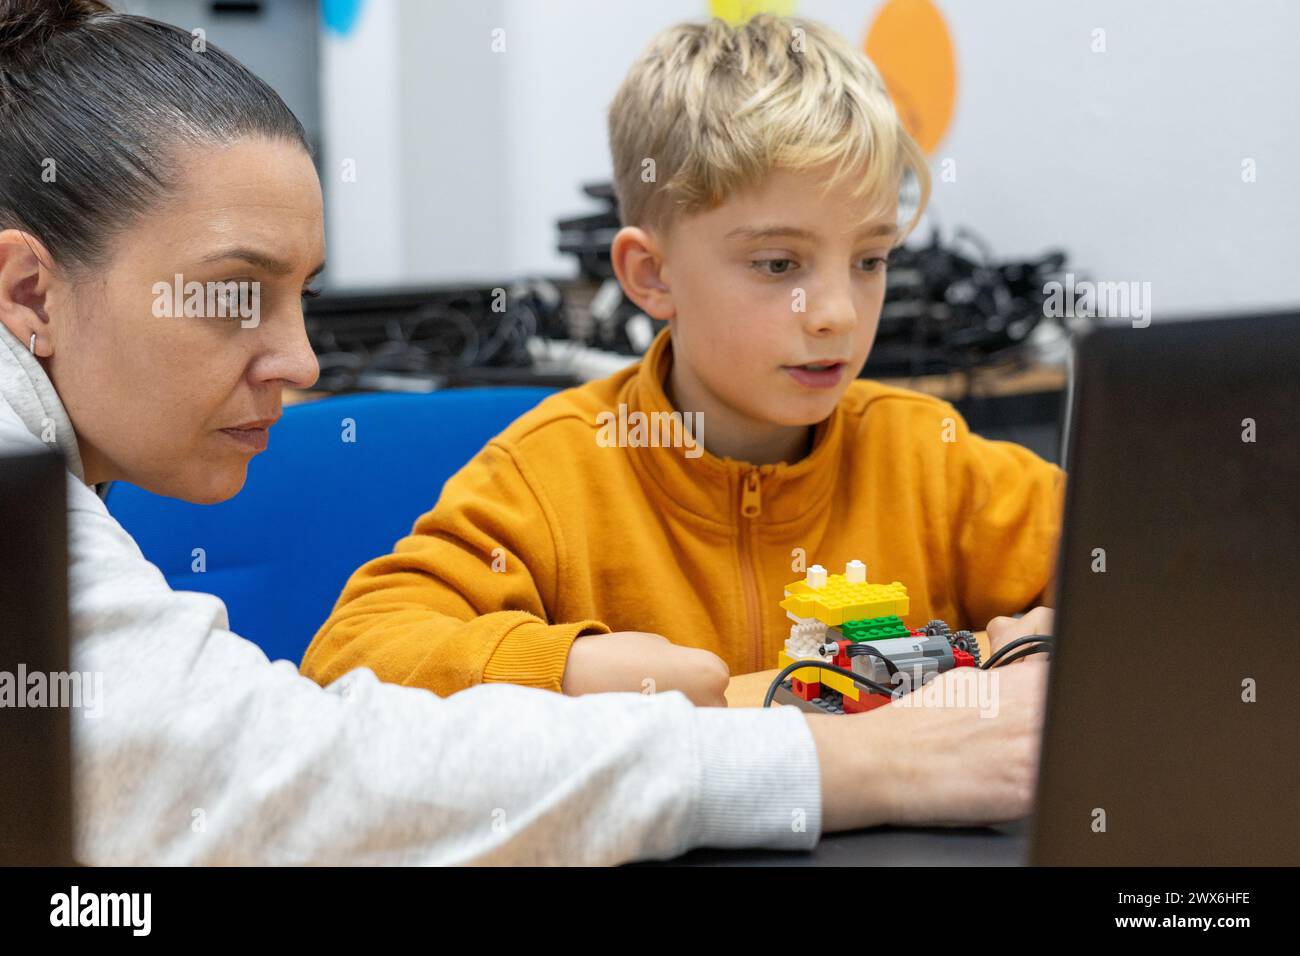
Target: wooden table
(988, 382)
(747, 690)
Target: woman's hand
(961, 755)
(643, 663)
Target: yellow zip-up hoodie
(549, 533)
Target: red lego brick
(867, 702)
(842, 655)
(806, 691)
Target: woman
(135, 165)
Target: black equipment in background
(422, 339)
(588, 237)
(946, 310)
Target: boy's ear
(24, 284)
(639, 264)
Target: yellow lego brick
(798, 605)
(810, 675)
(840, 601)
(841, 684)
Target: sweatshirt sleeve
(198, 750)
(1005, 507)
(463, 599)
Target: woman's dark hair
(108, 97)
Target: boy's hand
(644, 663)
(971, 762)
(1004, 630)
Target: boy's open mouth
(816, 374)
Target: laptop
(35, 741)
(1172, 731)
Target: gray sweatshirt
(203, 751)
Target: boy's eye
(773, 267)
(874, 263)
(310, 293)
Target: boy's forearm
(405, 642)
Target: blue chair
(316, 507)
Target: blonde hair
(712, 109)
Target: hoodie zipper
(751, 506)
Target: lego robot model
(849, 650)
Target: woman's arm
(205, 752)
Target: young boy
(758, 171)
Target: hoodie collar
(26, 388)
(716, 488)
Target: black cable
(866, 650)
(822, 665)
(1042, 639)
(1025, 652)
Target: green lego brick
(874, 629)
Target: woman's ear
(24, 284)
(638, 262)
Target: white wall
(362, 174)
(1130, 159)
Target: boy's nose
(830, 312)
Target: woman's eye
(773, 267)
(231, 301)
(310, 293)
(874, 263)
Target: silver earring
(31, 346)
